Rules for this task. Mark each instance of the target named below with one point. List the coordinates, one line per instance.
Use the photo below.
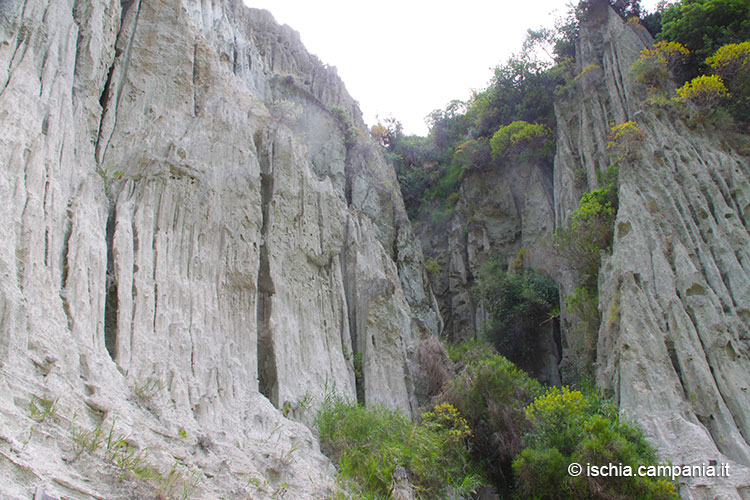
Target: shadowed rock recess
(198, 240)
(194, 231)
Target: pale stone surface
(674, 296)
(191, 221)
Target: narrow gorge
(200, 241)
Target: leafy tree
(522, 89)
(627, 8)
(518, 301)
(703, 26)
(447, 126)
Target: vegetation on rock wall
(491, 392)
(570, 427)
(580, 244)
(518, 301)
(703, 26)
(704, 45)
(493, 417)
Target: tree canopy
(703, 26)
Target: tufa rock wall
(674, 295)
(194, 232)
(499, 212)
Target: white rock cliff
(195, 231)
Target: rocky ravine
(674, 299)
(674, 296)
(194, 235)
(499, 213)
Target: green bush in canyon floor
(368, 443)
(568, 426)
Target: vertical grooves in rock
(675, 361)
(348, 175)
(111, 302)
(267, 372)
(349, 283)
(22, 38)
(104, 98)
(64, 268)
(120, 64)
(195, 77)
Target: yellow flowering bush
(445, 417)
(624, 139)
(519, 135)
(732, 63)
(657, 65)
(568, 427)
(731, 60)
(703, 91)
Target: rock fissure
(266, 348)
(125, 39)
(112, 301)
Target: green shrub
(474, 153)
(657, 65)
(519, 136)
(703, 91)
(445, 182)
(518, 300)
(583, 303)
(368, 443)
(591, 230)
(414, 181)
(624, 140)
(567, 427)
(490, 393)
(732, 63)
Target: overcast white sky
(405, 58)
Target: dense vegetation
(569, 427)
(368, 445)
(514, 115)
(429, 168)
(491, 422)
(519, 300)
(704, 45)
(704, 26)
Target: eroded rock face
(191, 222)
(673, 345)
(500, 212)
